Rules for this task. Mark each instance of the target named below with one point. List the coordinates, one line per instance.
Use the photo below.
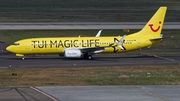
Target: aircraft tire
(88, 57)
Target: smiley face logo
(153, 29)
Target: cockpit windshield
(16, 44)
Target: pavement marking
(51, 97)
(164, 58)
(153, 95)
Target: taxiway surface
(79, 25)
(91, 93)
(103, 60)
(114, 93)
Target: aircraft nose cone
(9, 48)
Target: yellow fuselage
(57, 45)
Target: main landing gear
(87, 56)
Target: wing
(100, 49)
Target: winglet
(120, 43)
(98, 34)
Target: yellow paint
(20, 55)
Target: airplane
(85, 47)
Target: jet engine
(72, 53)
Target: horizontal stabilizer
(154, 39)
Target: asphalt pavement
(79, 25)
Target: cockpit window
(16, 44)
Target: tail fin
(154, 27)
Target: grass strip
(123, 75)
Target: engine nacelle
(72, 53)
